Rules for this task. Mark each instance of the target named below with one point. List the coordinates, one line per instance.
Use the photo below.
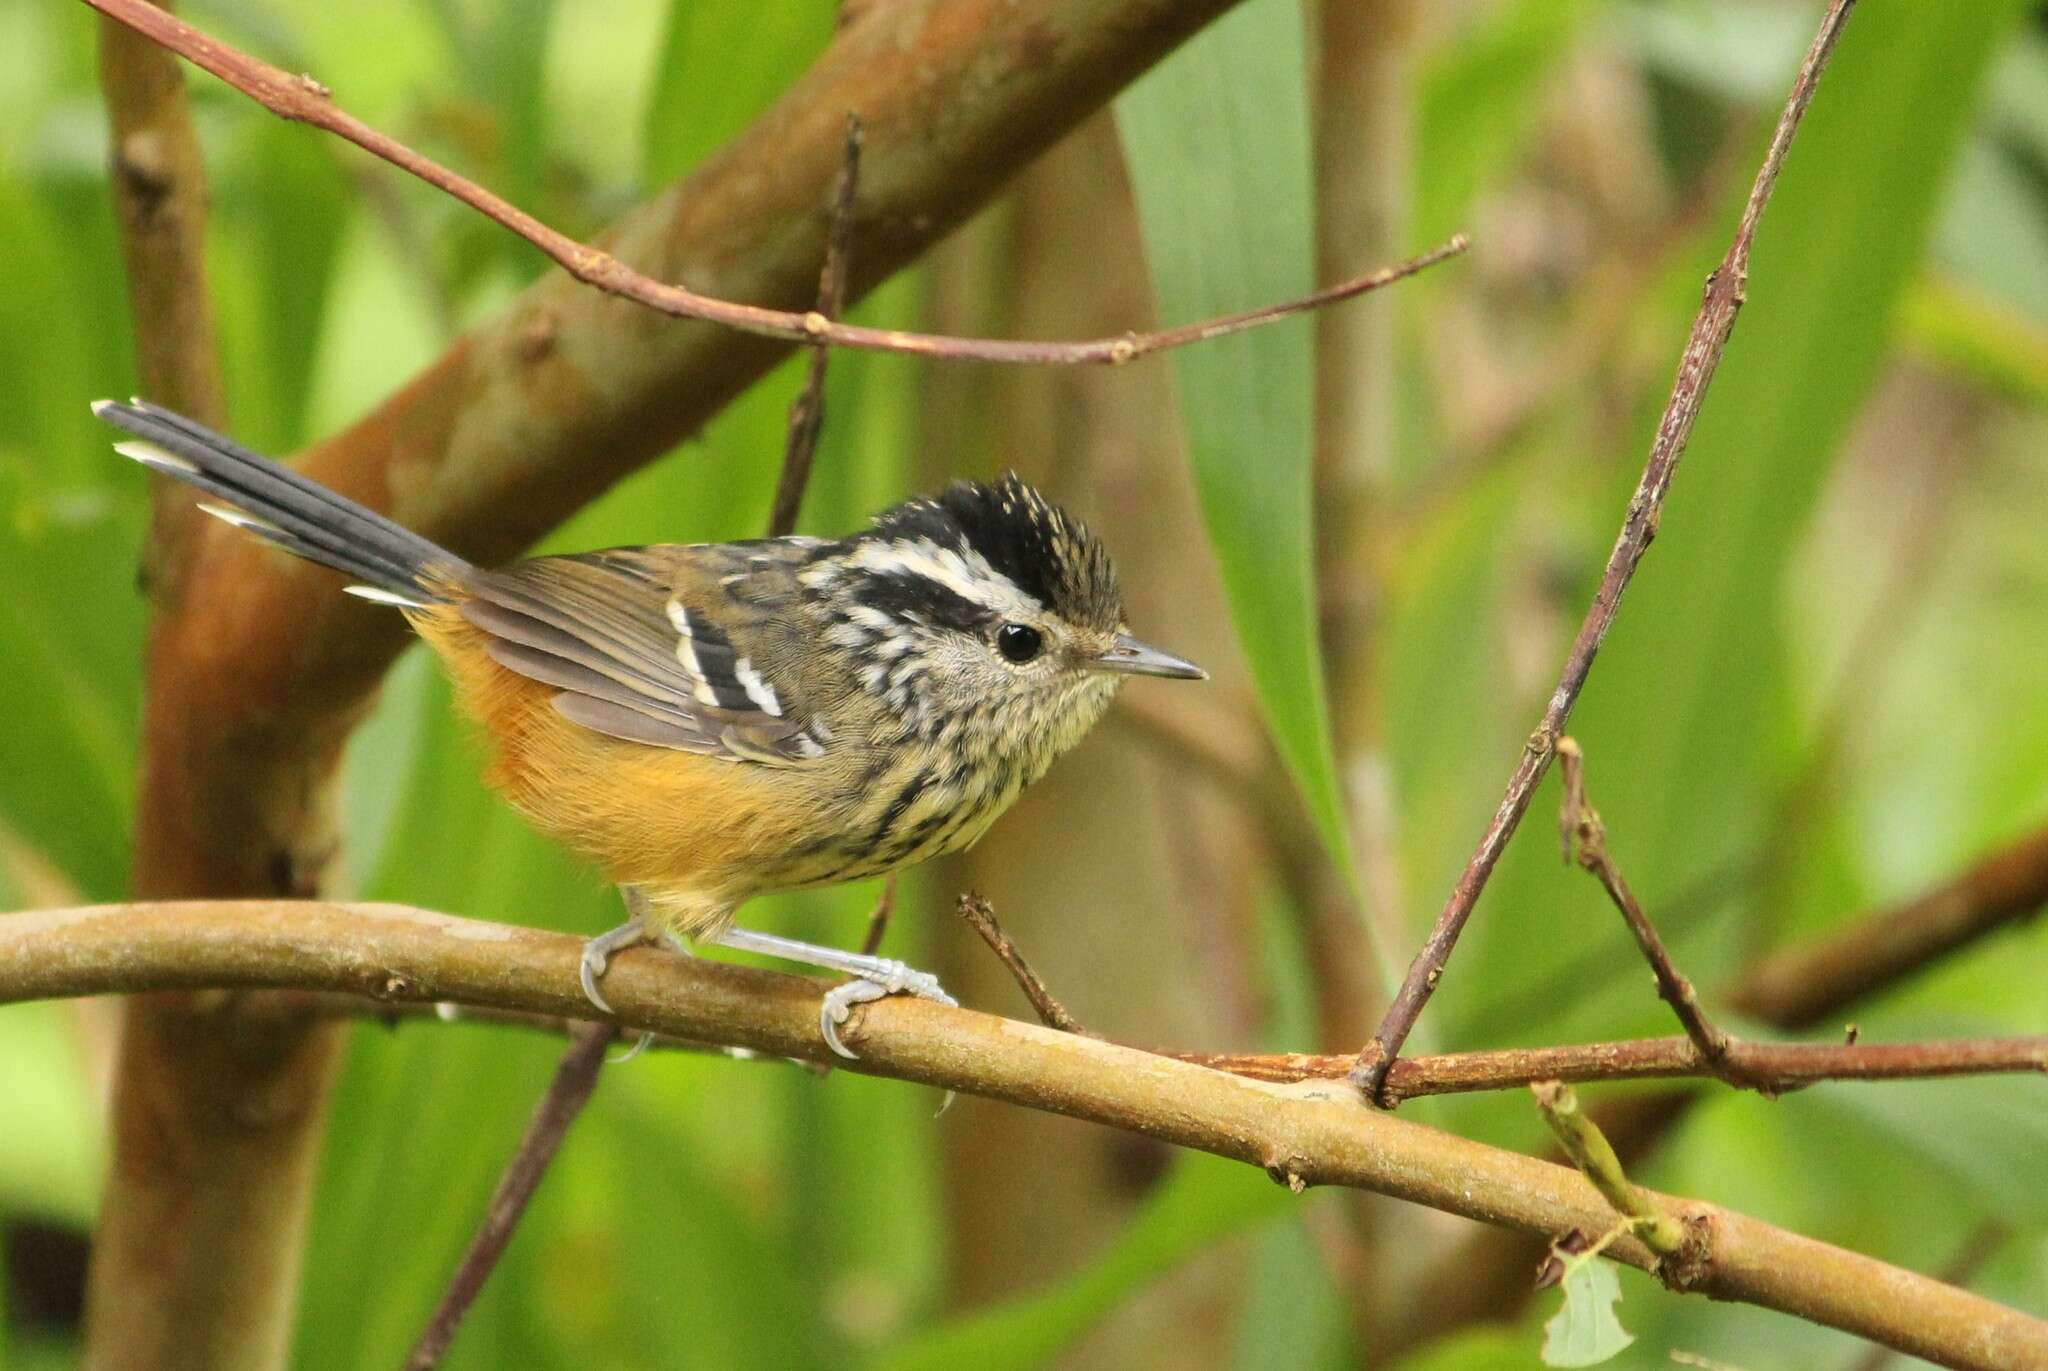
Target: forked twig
(807, 414)
(304, 100)
(1703, 349)
(575, 1078)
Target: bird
(710, 722)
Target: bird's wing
(640, 643)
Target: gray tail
(394, 564)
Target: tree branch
(1802, 986)
(1703, 349)
(304, 100)
(1300, 1134)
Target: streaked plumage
(710, 722)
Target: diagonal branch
(304, 100)
(1300, 1134)
(1703, 349)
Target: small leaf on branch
(1585, 1331)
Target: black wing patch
(631, 660)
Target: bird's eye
(1018, 643)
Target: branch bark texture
(1300, 1134)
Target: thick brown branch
(1696, 366)
(306, 101)
(1803, 986)
(1300, 1134)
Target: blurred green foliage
(715, 1213)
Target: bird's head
(985, 617)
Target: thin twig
(1310, 1134)
(981, 917)
(1777, 1067)
(575, 1078)
(1586, 837)
(1704, 346)
(1589, 1150)
(1773, 1068)
(304, 100)
(878, 917)
(807, 414)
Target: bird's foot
(598, 953)
(888, 978)
(873, 978)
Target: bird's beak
(1133, 658)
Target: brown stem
(981, 917)
(878, 917)
(1703, 349)
(1300, 1134)
(304, 100)
(807, 414)
(1581, 829)
(575, 1078)
(1773, 1068)
(1807, 985)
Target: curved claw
(837, 1007)
(889, 978)
(595, 960)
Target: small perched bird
(710, 722)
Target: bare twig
(1776, 1067)
(1580, 827)
(575, 1078)
(878, 917)
(1306, 1134)
(1703, 349)
(1589, 1150)
(981, 917)
(807, 414)
(1773, 1068)
(306, 101)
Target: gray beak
(1131, 657)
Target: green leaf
(703, 95)
(1217, 139)
(1584, 1330)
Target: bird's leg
(598, 951)
(873, 977)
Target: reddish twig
(1704, 346)
(1586, 837)
(807, 415)
(1773, 1068)
(304, 100)
(575, 1078)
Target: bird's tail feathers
(277, 504)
